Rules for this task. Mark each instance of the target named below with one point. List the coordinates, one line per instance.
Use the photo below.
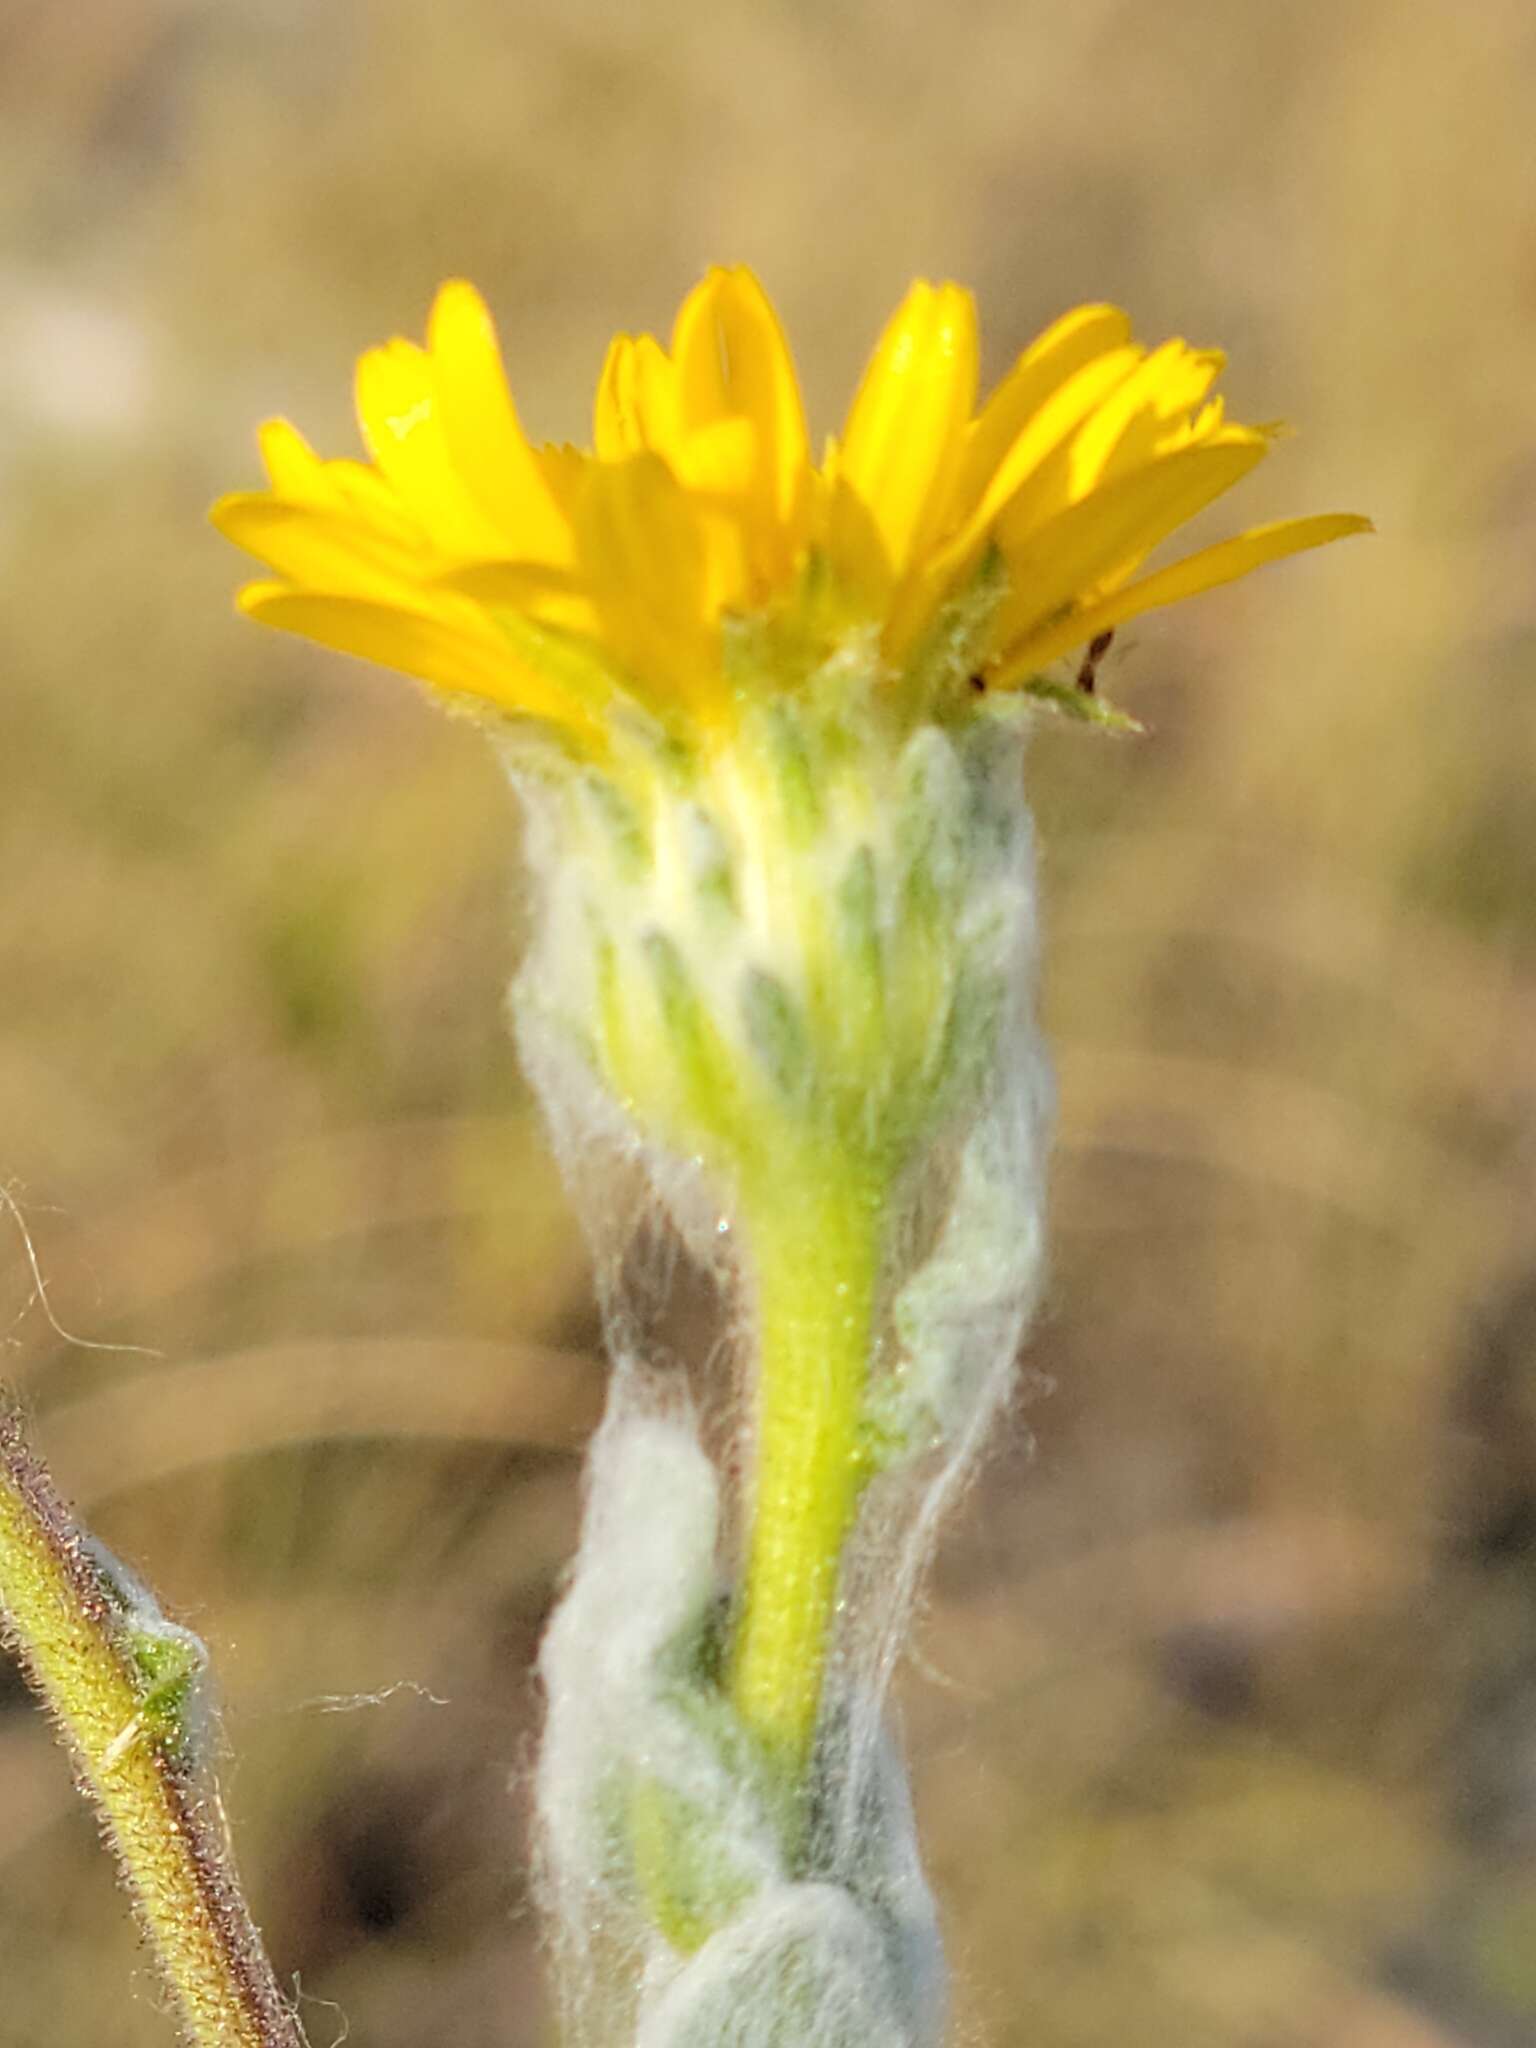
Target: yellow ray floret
(559, 586)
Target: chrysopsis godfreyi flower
(697, 556)
(767, 718)
(760, 680)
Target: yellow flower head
(648, 575)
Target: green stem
(814, 1240)
(163, 1820)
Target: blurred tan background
(1224, 1708)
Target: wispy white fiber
(684, 1912)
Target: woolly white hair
(835, 1945)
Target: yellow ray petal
(1126, 429)
(1101, 539)
(300, 477)
(615, 412)
(764, 383)
(720, 465)
(904, 439)
(484, 438)
(1212, 416)
(653, 388)
(698, 354)
(615, 416)
(1026, 482)
(553, 595)
(450, 658)
(396, 409)
(636, 406)
(360, 489)
(641, 555)
(639, 541)
(294, 468)
(740, 426)
(325, 548)
(1067, 346)
(562, 468)
(720, 459)
(1205, 570)
(843, 531)
(733, 362)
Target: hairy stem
(156, 1806)
(815, 1244)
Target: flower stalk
(816, 1251)
(124, 1689)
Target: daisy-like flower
(764, 716)
(568, 587)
